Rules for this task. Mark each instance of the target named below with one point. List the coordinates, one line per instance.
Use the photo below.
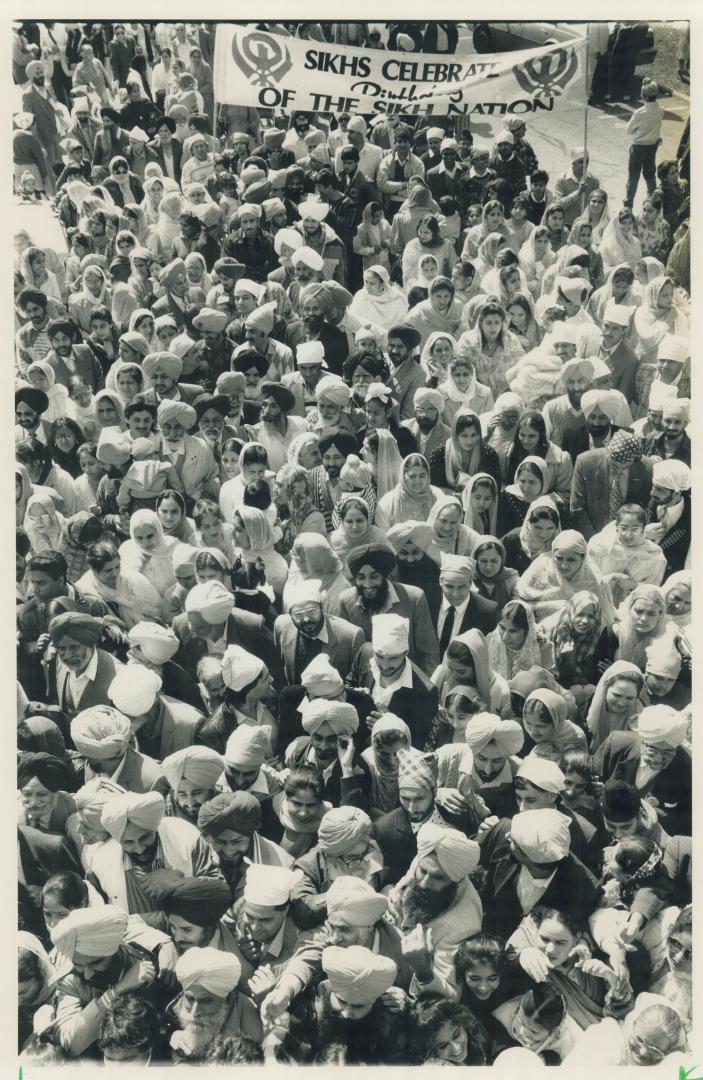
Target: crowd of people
(353, 515)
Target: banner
(256, 68)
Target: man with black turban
(277, 428)
(192, 909)
(230, 823)
(373, 595)
(43, 782)
(69, 358)
(81, 673)
(335, 447)
(407, 376)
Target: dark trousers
(642, 160)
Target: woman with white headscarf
(379, 302)
(148, 551)
(641, 619)
(554, 577)
(167, 227)
(254, 536)
(43, 523)
(42, 376)
(662, 311)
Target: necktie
(617, 495)
(447, 627)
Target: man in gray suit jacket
(606, 479)
(373, 594)
(306, 631)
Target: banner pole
(584, 197)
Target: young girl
(171, 509)
(252, 465)
(547, 727)
(492, 579)
(480, 501)
(211, 530)
(582, 787)
(461, 389)
(299, 809)
(522, 322)
(86, 486)
(446, 1033)
(513, 645)
(531, 481)
(372, 239)
(481, 969)
(466, 664)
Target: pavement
(603, 129)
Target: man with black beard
(494, 744)
(68, 358)
(370, 567)
(102, 967)
(427, 426)
(335, 447)
(356, 1023)
(436, 906)
(411, 541)
(142, 839)
(407, 375)
(395, 684)
(670, 512)
(231, 824)
(673, 441)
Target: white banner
(255, 68)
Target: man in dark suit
(395, 683)
(48, 575)
(79, 674)
(373, 594)
(451, 177)
(164, 369)
(670, 512)
(596, 426)
(306, 631)
(396, 831)
(617, 353)
(606, 479)
(459, 609)
(167, 150)
(528, 862)
(210, 619)
(314, 325)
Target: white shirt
(459, 613)
(530, 890)
(77, 684)
(383, 694)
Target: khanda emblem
(264, 59)
(547, 76)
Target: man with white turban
(426, 426)
(670, 512)
(494, 744)
(191, 456)
(248, 688)
(210, 1006)
(385, 667)
(673, 441)
(601, 410)
(193, 773)
(328, 744)
(529, 861)
(162, 725)
(142, 840)
(653, 759)
(352, 1012)
(538, 785)
(104, 737)
(344, 847)
(211, 622)
(155, 646)
(616, 350)
(436, 907)
(103, 967)
(562, 415)
(355, 916)
(306, 631)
